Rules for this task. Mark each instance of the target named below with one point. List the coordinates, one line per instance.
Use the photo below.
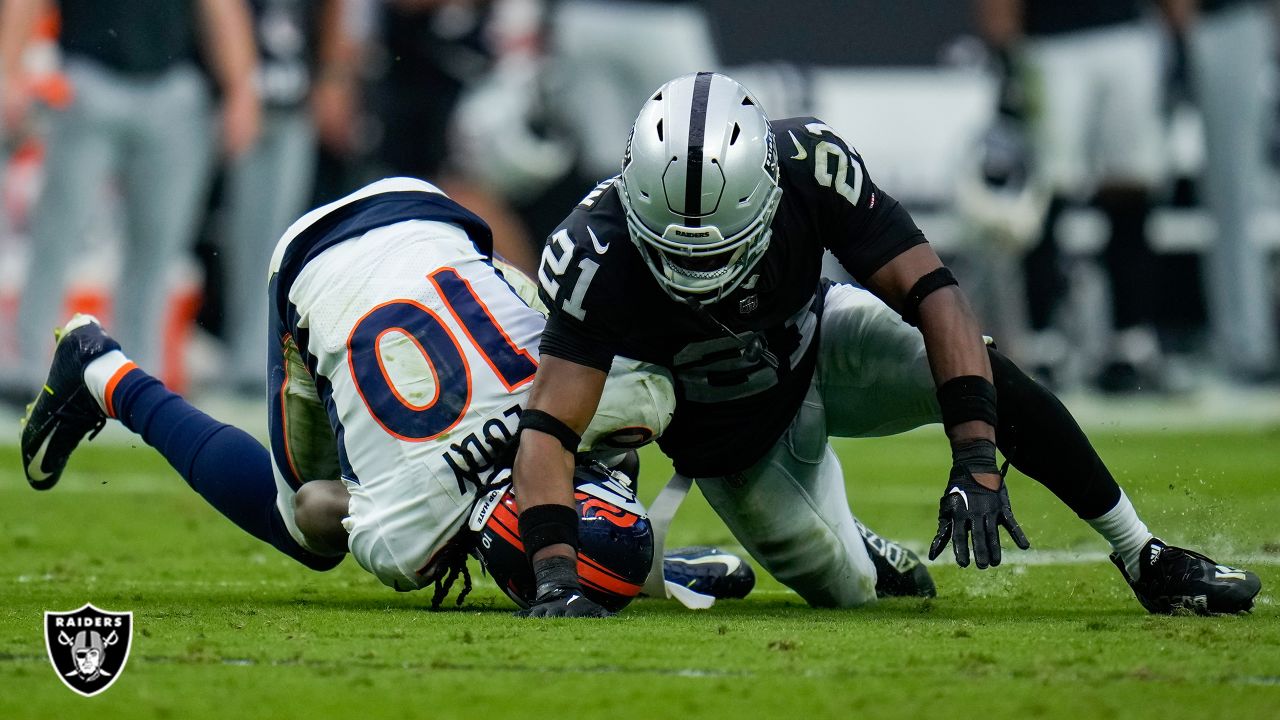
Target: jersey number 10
(451, 374)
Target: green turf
(227, 628)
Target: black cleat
(1173, 579)
(64, 412)
(709, 571)
(899, 572)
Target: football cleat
(709, 571)
(64, 412)
(1174, 578)
(899, 572)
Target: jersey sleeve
(860, 223)
(573, 341)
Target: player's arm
(334, 97)
(543, 470)
(563, 399)
(951, 334)
(999, 21)
(227, 31)
(919, 286)
(575, 360)
(17, 23)
(1179, 14)
(876, 240)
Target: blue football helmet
(615, 540)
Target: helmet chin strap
(753, 347)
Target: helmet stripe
(589, 575)
(504, 522)
(697, 131)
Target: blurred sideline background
(518, 107)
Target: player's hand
(564, 602)
(559, 594)
(969, 507)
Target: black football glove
(559, 594)
(969, 507)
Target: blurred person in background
(434, 50)
(141, 109)
(1230, 43)
(307, 80)
(610, 54)
(1092, 71)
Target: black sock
(1039, 437)
(1046, 282)
(1133, 267)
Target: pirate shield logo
(88, 647)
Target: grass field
(227, 628)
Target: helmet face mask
(699, 186)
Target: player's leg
(1061, 117)
(791, 514)
(1039, 436)
(91, 380)
(875, 380)
(81, 150)
(611, 55)
(267, 188)
(1131, 130)
(1035, 432)
(165, 172)
(1237, 275)
(790, 511)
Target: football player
(703, 257)
(401, 358)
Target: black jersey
(1054, 17)
(138, 37)
(743, 365)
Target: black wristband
(551, 425)
(927, 284)
(554, 573)
(975, 456)
(550, 524)
(966, 398)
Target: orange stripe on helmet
(503, 522)
(588, 572)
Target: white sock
(103, 373)
(1125, 531)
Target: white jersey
(420, 354)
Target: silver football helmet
(699, 185)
